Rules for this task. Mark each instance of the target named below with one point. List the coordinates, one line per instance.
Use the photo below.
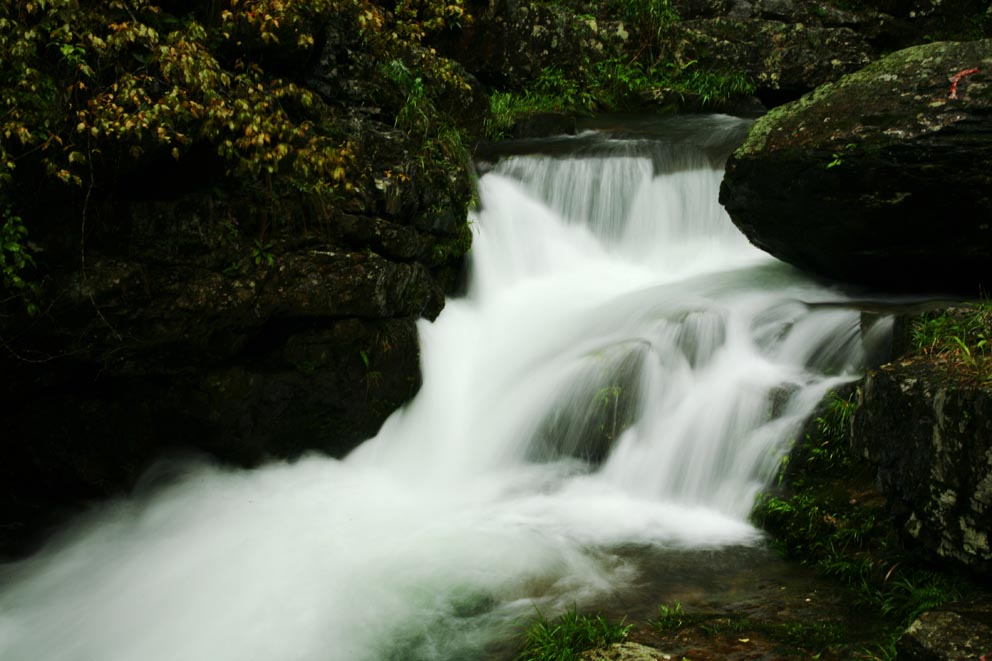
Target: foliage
(959, 337)
(837, 157)
(89, 88)
(709, 86)
(670, 618)
(568, 635)
(649, 18)
(15, 260)
(613, 84)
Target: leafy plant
(560, 91)
(837, 158)
(417, 110)
(261, 253)
(798, 635)
(613, 83)
(708, 86)
(649, 18)
(958, 336)
(15, 259)
(90, 90)
(670, 618)
(568, 635)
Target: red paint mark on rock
(954, 81)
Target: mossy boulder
(882, 178)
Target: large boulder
(882, 178)
(927, 428)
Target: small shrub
(670, 618)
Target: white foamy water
(624, 370)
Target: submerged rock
(882, 178)
(625, 652)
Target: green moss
(881, 94)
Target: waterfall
(625, 371)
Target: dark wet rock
(954, 632)
(848, 181)
(928, 432)
(542, 125)
(886, 24)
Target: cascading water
(625, 371)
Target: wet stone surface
(738, 603)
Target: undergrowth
(615, 84)
(568, 635)
(828, 515)
(642, 72)
(960, 338)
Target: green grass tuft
(569, 635)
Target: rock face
(929, 433)
(245, 352)
(881, 178)
(885, 24)
(954, 632)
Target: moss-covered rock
(850, 181)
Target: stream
(598, 412)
